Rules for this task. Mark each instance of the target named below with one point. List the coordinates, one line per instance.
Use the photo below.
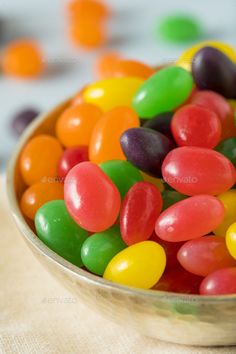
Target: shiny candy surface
(140, 265)
(71, 157)
(196, 126)
(146, 149)
(132, 68)
(220, 282)
(139, 211)
(122, 173)
(39, 159)
(100, 248)
(163, 92)
(56, 228)
(229, 201)
(38, 194)
(105, 140)
(110, 93)
(213, 70)
(190, 218)
(91, 198)
(74, 127)
(195, 170)
(231, 240)
(205, 255)
(106, 64)
(185, 60)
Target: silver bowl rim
(84, 275)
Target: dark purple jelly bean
(22, 119)
(146, 149)
(160, 123)
(213, 70)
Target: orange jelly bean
(39, 159)
(22, 59)
(93, 8)
(74, 127)
(132, 68)
(38, 194)
(105, 66)
(87, 33)
(105, 141)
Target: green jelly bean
(163, 92)
(56, 228)
(122, 173)
(100, 248)
(227, 147)
(179, 28)
(171, 197)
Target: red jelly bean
(193, 125)
(218, 104)
(91, 198)
(139, 211)
(179, 281)
(190, 218)
(195, 170)
(205, 255)
(220, 282)
(70, 158)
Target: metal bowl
(177, 318)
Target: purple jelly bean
(22, 119)
(213, 70)
(161, 123)
(146, 149)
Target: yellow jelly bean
(156, 181)
(229, 200)
(140, 265)
(231, 240)
(111, 93)
(185, 60)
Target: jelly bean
(100, 248)
(145, 149)
(78, 98)
(220, 282)
(105, 66)
(195, 170)
(56, 228)
(140, 265)
(156, 181)
(122, 173)
(22, 59)
(110, 93)
(171, 250)
(75, 125)
(80, 33)
(185, 60)
(139, 211)
(227, 147)
(213, 70)
(22, 119)
(178, 28)
(179, 281)
(190, 218)
(171, 197)
(94, 9)
(91, 198)
(161, 123)
(218, 104)
(105, 141)
(193, 125)
(205, 255)
(231, 240)
(132, 68)
(229, 200)
(38, 194)
(39, 159)
(163, 92)
(70, 158)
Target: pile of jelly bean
(137, 184)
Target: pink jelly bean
(220, 282)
